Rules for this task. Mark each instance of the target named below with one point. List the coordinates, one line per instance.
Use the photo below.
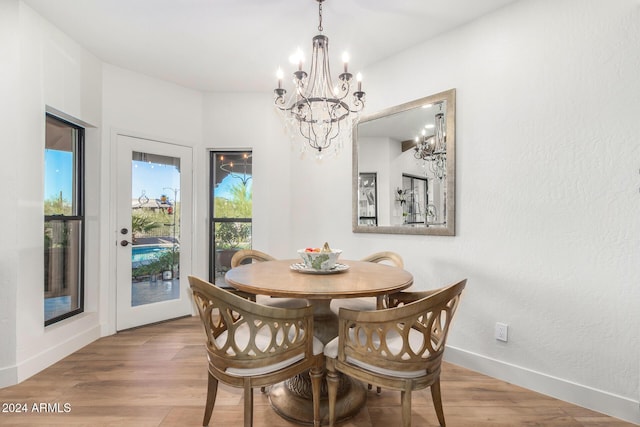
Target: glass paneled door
(154, 229)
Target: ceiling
(237, 45)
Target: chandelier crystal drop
(318, 111)
(432, 150)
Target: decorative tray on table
(300, 267)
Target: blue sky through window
(223, 189)
(58, 174)
(154, 180)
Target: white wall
(141, 106)
(46, 68)
(547, 201)
(374, 155)
(144, 107)
(249, 121)
(9, 117)
(547, 198)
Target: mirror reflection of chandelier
(318, 110)
(241, 170)
(432, 150)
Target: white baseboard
(12, 375)
(47, 358)
(8, 376)
(558, 388)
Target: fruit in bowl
(320, 258)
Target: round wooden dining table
(284, 278)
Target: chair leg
(382, 302)
(248, 404)
(332, 388)
(437, 401)
(212, 391)
(316, 381)
(405, 397)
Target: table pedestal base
(292, 399)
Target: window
(63, 220)
(230, 209)
(415, 208)
(367, 198)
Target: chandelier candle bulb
(359, 80)
(345, 59)
(299, 59)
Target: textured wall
(547, 177)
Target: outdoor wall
(47, 69)
(547, 202)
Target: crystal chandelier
(432, 150)
(317, 110)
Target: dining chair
(246, 256)
(399, 348)
(369, 303)
(241, 257)
(251, 345)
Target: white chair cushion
(281, 302)
(394, 343)
(263, 339)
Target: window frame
(79, 199)
(212, 218)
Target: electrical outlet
(502, 331)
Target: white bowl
(320, 260)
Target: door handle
(125, 243)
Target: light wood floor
(156, 376)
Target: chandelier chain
(320, 16)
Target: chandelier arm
(356, 110)
(314, 135)
(338, 125)
(280, 105)
(336, 116)
(308, 135)
(309, 102)
(325, 137)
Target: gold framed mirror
(410, 149)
